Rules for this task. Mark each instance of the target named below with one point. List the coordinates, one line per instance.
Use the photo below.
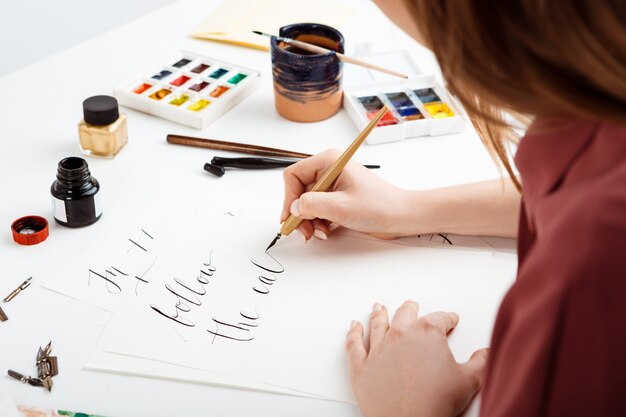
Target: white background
(34, 29)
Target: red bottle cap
(30, 230)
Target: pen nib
(273, 242)
(47, 383)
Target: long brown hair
(528, 57)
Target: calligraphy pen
(218, 164)
(324, 183)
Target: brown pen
(233, 147)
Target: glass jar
(75, 198)
(104, 131)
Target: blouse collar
(548, 150)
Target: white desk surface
(40, 107)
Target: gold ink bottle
(103, 131)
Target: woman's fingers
(306, 229)
(405, 315)
(442, 321)
(379, 324)
(321, 230)
(302, 175)
(314, 228)
(411, 356)
(355, 345)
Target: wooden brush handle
(319, 50)
(308, 46)
(233, 147)
(364, 64)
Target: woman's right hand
(358, 199)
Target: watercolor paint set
(419, 105)
(189, 89)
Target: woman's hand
(405, 368)
(359, 199)
(362, 201)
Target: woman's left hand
(406, 368)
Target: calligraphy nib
(273, 242)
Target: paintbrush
(324, 183)
(319, 50)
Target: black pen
(218, 164)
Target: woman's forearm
(489, 208)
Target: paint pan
(142, 88)
(160, 94)
(188, 88)
(433, 104)
(404, 106)
(218, 73)
(162, 74)
(371, 105)
(199, 86)
(180, 100)
(219, 91)
(200, 68)
(181, 63)
(180, 80)
(199, 105)
(237, 78)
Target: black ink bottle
(75, 194)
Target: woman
(559, 346)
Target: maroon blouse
(559, 342)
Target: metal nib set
(47, 367)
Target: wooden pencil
(320, 50)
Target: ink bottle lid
(30, 230)
(75, 197)
(101, 110)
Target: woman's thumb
(321, 205)
(475, 368)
